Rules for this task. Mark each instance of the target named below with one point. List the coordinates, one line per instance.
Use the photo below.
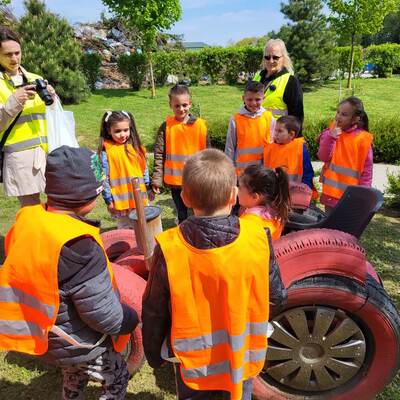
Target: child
(208, 282)
(264, 196)
(249, 129)
(180, 136)
(123, 157)
(290, 152)
(58, 293)
(346, 150)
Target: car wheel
(336, 339)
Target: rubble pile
(110, 44)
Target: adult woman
(26, 145)
(283, 94)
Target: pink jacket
(325, 153)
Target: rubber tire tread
(131, 288)
(373, 293)
(118, 241)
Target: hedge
(385, 57)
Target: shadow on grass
(165, 378)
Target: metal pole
(142, 223)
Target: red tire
(134, 260)
(118, 241)
(300, 195)
(131, 288)
(335, 335)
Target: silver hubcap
(314, 349)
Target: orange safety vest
(220, 307)
(252, 134)
(274, 225)
(29, 295)
(123, 168)
(181, 141)
(289, 156)
(347, 163)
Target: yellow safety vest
(30, 130)
(274, 98)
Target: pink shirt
(325, 152)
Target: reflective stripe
(295, 177)
(172, 172)
(25, 144)
(245, 164)
(68, 338)
(224, 367)
(236, 342)
(14, 295)
(124, 181)
(176, 157)
(21, 328)
(250, 150)
(344, 171)
(126, 196)
(30, 117)
(276, 112)
(335, 184)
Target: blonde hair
(208, 179)
(287, 62)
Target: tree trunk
(153, 86)
(351, 61)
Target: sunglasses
(275, 58)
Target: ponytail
(281, 201)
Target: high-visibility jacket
(181, 141)
(219, 303)
(288, 156)
(274, 98)
(252, 134)
(347, 163)
(274, 225)
(29, 295)
(123, 168)
(30, 130)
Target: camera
(41, 90)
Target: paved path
(379, 179)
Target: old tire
(131, 288)
(118, 241)
(133, 259)
(357, 356)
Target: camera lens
(41, 90)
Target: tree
(147, 17)
(308, 39)
(390, 33)
(353, 18)
(50, 49)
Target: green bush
(213, 61)
(50, 49)
(236, 64)
(385, 57)
(191, 66)
(343, 58)
(393, 190)
(134, 66)
(253, 56)
(165, 63)
(217, 129)
(91, 63)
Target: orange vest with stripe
(181, 141)
(29, 295)
(347, 163)
(220, 307)
(252, 134)
(288, 156)
(274, 225)
(122, 168)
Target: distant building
(194, 45)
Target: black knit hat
(74, 177)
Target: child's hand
(335, 132)
(151, 195)
(155, 189)
(111, 208)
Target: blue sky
(215, 22)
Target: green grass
(24, 377)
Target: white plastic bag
(60, 126)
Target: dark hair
(359, 111)
(110, 118)
(254, 87)
(291, 123)
(8, 34)
(272, 185)
(178, 90)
